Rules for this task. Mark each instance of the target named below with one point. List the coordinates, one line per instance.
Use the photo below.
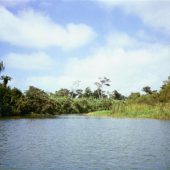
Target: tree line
(13, 102)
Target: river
(73, 142)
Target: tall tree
(117, 95)
(147, 90)
(75, 86)
(164, 95)
(87, 92)
(100, 85)
(62, 93)
(5, 80)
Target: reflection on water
(82, 142)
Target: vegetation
(37, 103)
(153, 104)
(136, 111)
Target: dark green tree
(5, 79)
(87, 93)
(16, 100)
(62, 93)
(5, 101)
(117, 96)
(39, 102)
(147, 90)
(164, 94)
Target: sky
(50, 44)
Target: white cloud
(34, 61)
(48, 83)
(35, 30)
(129, 68)
(117, 39)
(128, 62)
(153, 13)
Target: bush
(38, 101)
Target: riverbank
(119, 110)
(136, 111)
(30, 116)
(108, 113)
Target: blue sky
(52, 43)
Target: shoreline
(101, 114)
(31, 116)
(108, 113)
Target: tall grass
(134, 110)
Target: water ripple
(80, 142)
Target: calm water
(81, 142)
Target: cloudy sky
(52, 43)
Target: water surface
(82, 142)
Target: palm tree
(5, 80)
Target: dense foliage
(14, 102)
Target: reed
(134, 110)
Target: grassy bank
(122, 110)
